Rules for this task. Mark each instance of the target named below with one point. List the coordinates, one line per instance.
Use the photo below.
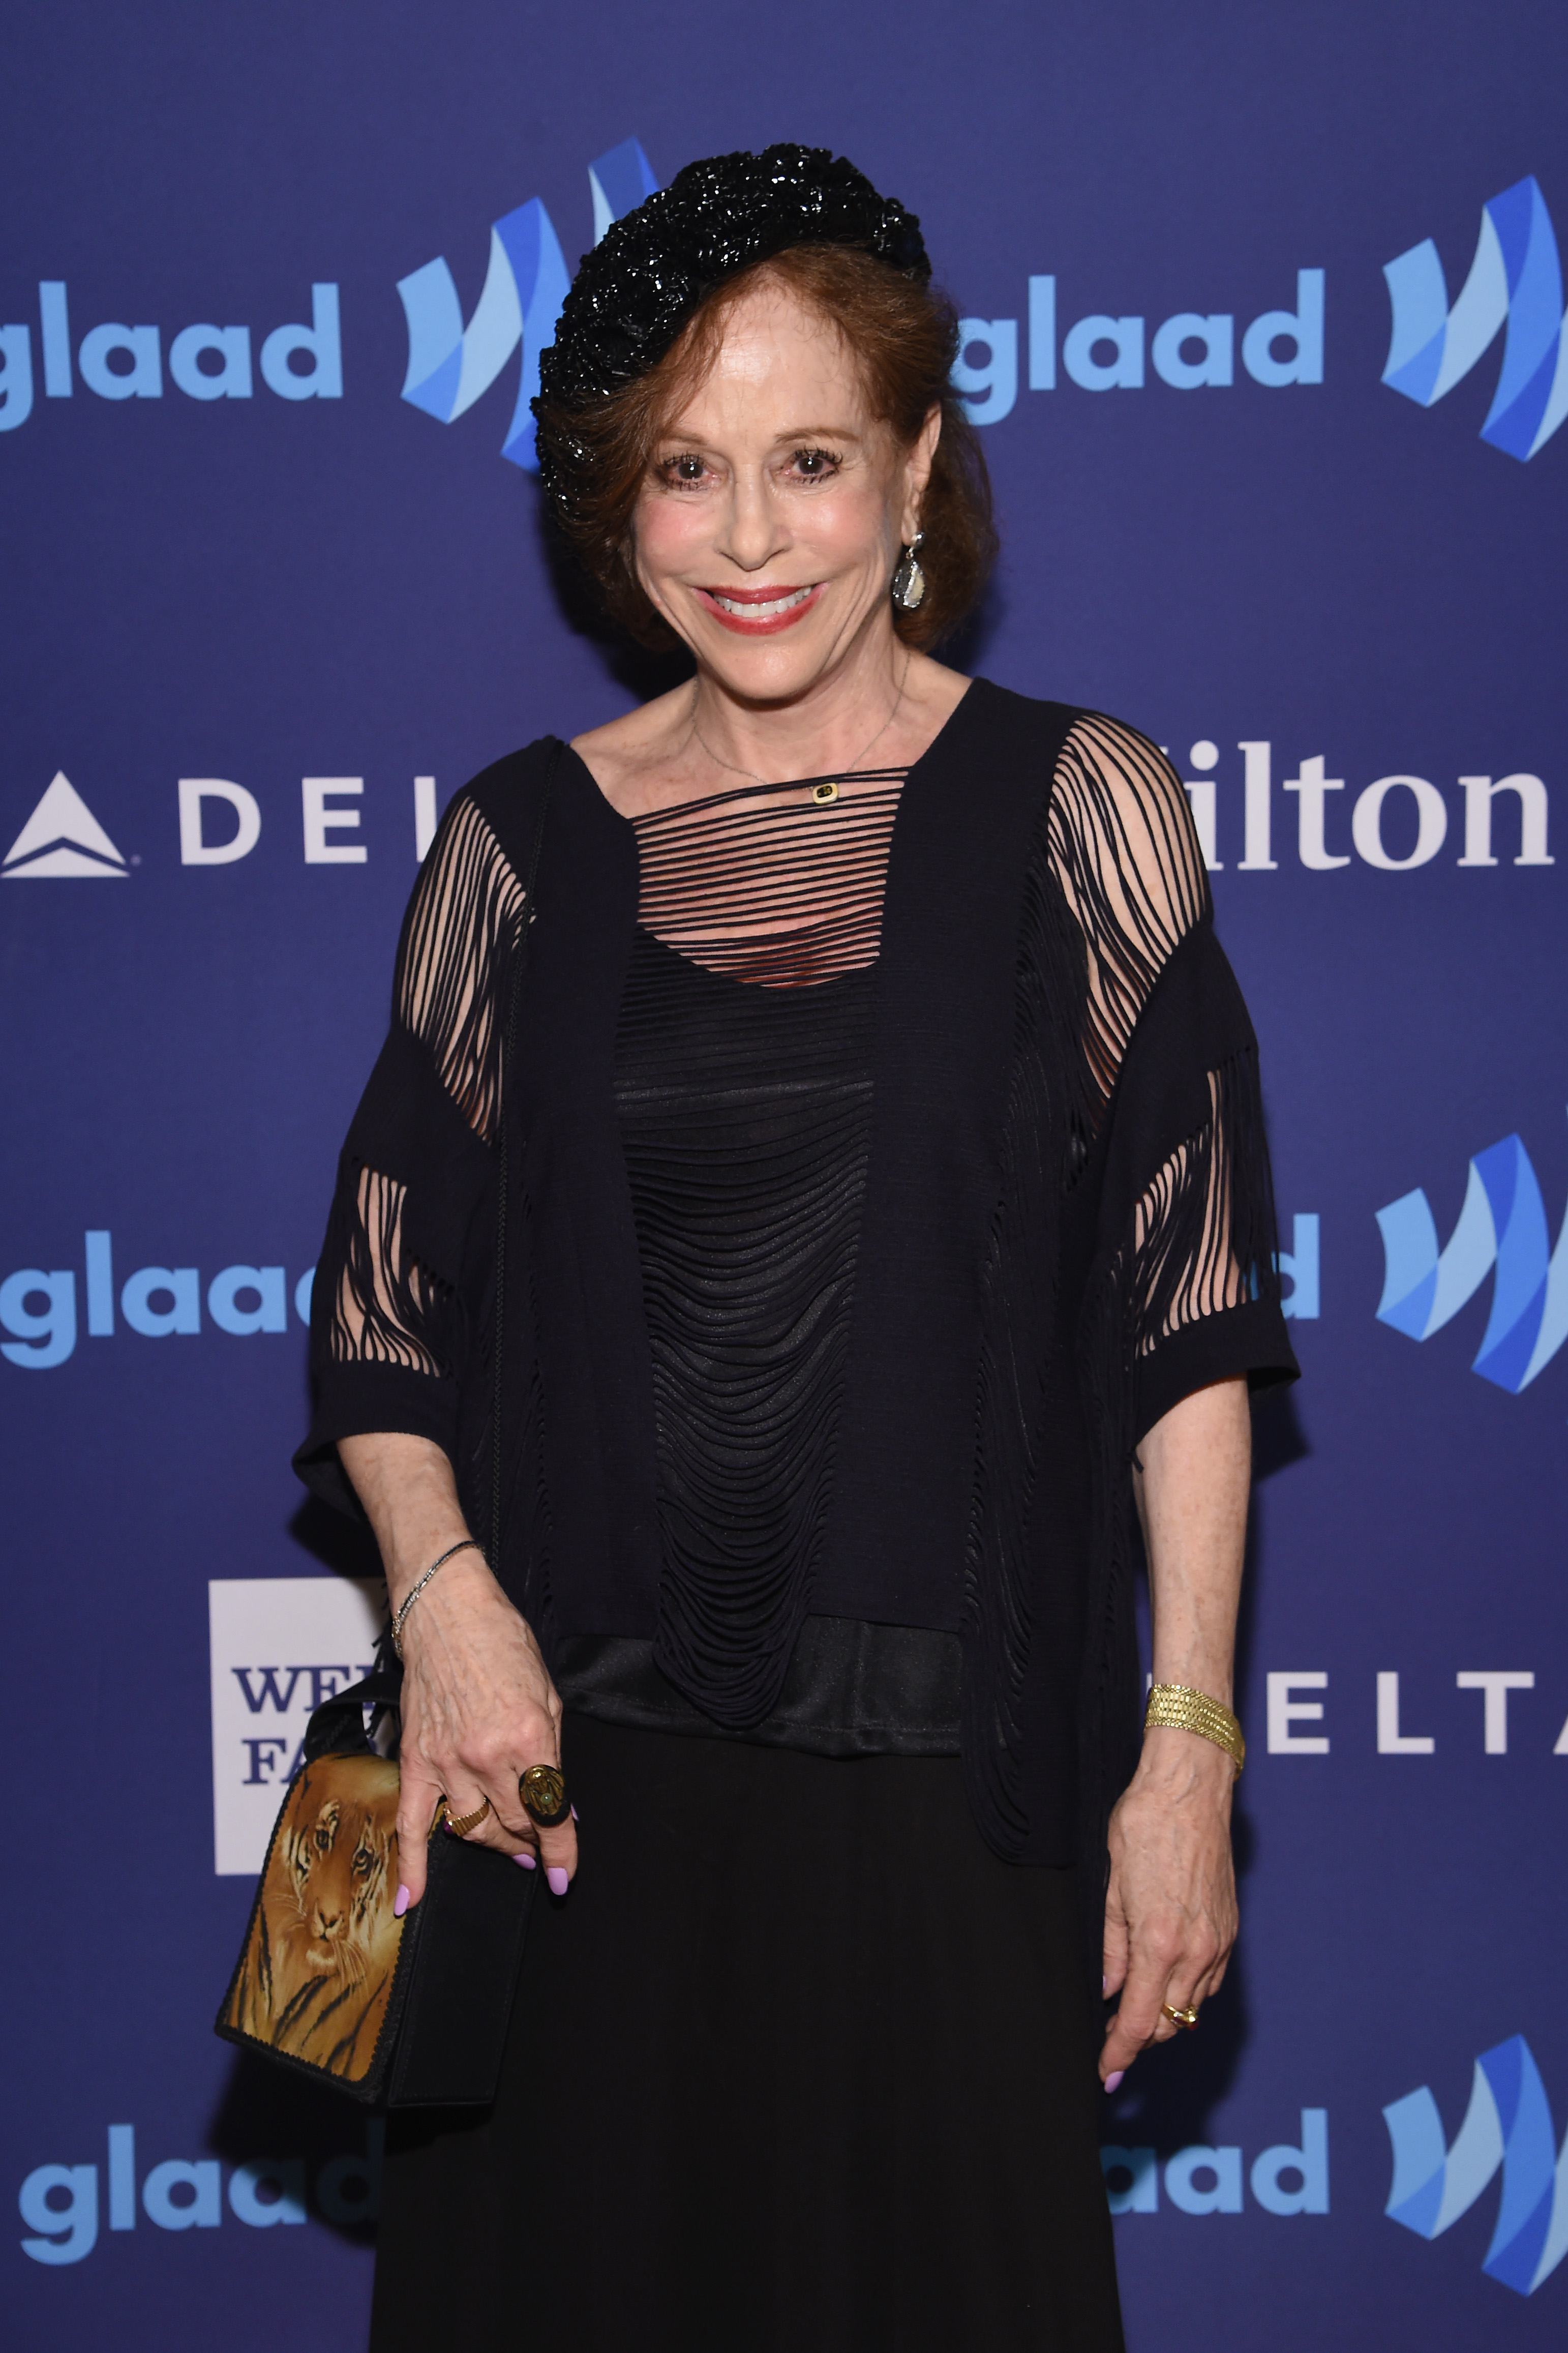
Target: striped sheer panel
(461, 925)
(778, 885)
(1187, 1253)
(382, 1311)
(1125, 855)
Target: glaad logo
(449, 365)
(241, 1300)
(102, 349)
(1221, 2191)
(1507, 2124)
(59, 2203)
(1503, 1224)
(1515, 276)
(61, 839)
(1106, 353)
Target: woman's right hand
(477, 1709)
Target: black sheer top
(744, 1084)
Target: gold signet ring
(1187, 2017)
(461, 1825)
(543, 1790)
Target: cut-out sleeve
(398, 1287)
(1169, 1070)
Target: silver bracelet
(468, 1543)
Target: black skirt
(797, 2066)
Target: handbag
(409, 2012)
(403, 2013)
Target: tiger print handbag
(402, 2013)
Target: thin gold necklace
(849, 766)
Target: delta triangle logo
(60, 839)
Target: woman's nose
(753, 534)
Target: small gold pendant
(823, 794)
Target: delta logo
(62, 841)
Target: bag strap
(338, 1725)
(509, 1047)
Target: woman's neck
(880, 712)
(834, 729)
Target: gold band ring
(543, 1790)
(1187, 2017)
(461, 1825)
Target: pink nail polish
(574, 1810)
(400, 1903)
(1104, 1982)
(1114, 2080)
(526, 1860)
(557, 1880)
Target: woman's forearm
(1191, 1488)
(1170, 1915)
(410, 1497)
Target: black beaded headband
(634, 293)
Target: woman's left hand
(1170, 1912)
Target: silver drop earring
(909, 580)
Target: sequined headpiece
(653, 268)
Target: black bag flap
(453, 2028)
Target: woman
(887, 1210)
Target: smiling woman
(878, 1125)
(896, 341)
(774, 502)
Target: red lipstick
(783, 606)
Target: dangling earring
(909, 580)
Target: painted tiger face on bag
(318, 1970)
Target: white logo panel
(281, 1645)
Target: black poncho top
(1027, 1100)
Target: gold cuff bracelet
(1182, 1709)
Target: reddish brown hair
(905, 339)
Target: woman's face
(775, 505)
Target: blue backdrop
(239, 556)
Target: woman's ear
(917, 463)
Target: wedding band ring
(1187, 2017)
(543, 1790)
(461, 1825)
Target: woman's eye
(685, 469)
(815, 465)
